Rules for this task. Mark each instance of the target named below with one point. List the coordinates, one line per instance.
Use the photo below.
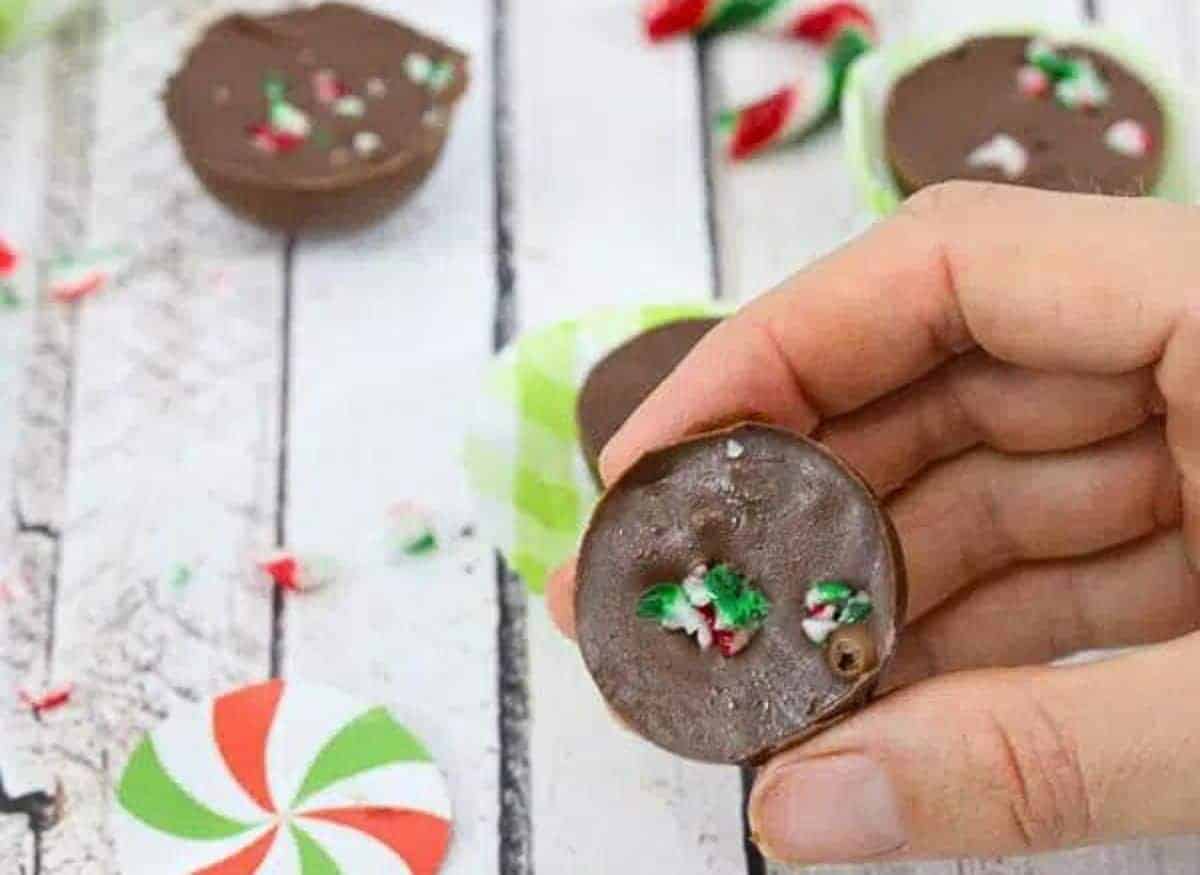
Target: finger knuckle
(1040, 776)
(945, 201)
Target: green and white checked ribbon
(522, 452)
(864, 102)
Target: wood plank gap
(1091, 10)
(278, 603)
(704, 89)
(504, 325)
(515, 827)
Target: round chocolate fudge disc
(625, 377)
(325, 117)
(961, 101)
(780, 510)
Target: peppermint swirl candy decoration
(291, 779)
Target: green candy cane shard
(738, 605)
(850, 45)
(441, 76)
(274, 88)
(1054, 64)
(151, 795)
(828, 592)
(856, 610)
(372, 740)
(739, 13)
(661, 601)
(314, 859)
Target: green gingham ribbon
(522, 452)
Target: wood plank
(172, 445)
(609, 209)
(49, 94)
(609, 200)
(390, 333)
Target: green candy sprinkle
(738, 605)
(427, 543)
(659, 601)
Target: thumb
(996, 762)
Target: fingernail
(825, 810)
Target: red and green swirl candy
(795, 110)
(816, 22)
(715, 605)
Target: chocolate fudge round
(625, 377)
(790, 518)
(320, 118)
(1019, 110)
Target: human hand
(997, 363)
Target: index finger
(1043, 280)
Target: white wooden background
(235, 389)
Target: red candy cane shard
(283, 569)
(823, 25)
(755, 127)
(48, 700)
(808, 20)
(667, 18)
(8, 259)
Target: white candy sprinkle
(351, 106)
(367, 143)
(418, 67)
(1003, 153)
(221, 94)
(291, 120)
(818, 630)
(1086, 89)
(1129, 138)
(433, 118)
(376, 87)
(693, 587)
(734, 449)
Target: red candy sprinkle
(723, 638)
(269, 140)
(49, 700)
(8, 259)
(283, 570)
(328, 87)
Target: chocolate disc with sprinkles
(1025, 111)
(325, 117)
(738, 592)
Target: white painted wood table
(234, 389)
